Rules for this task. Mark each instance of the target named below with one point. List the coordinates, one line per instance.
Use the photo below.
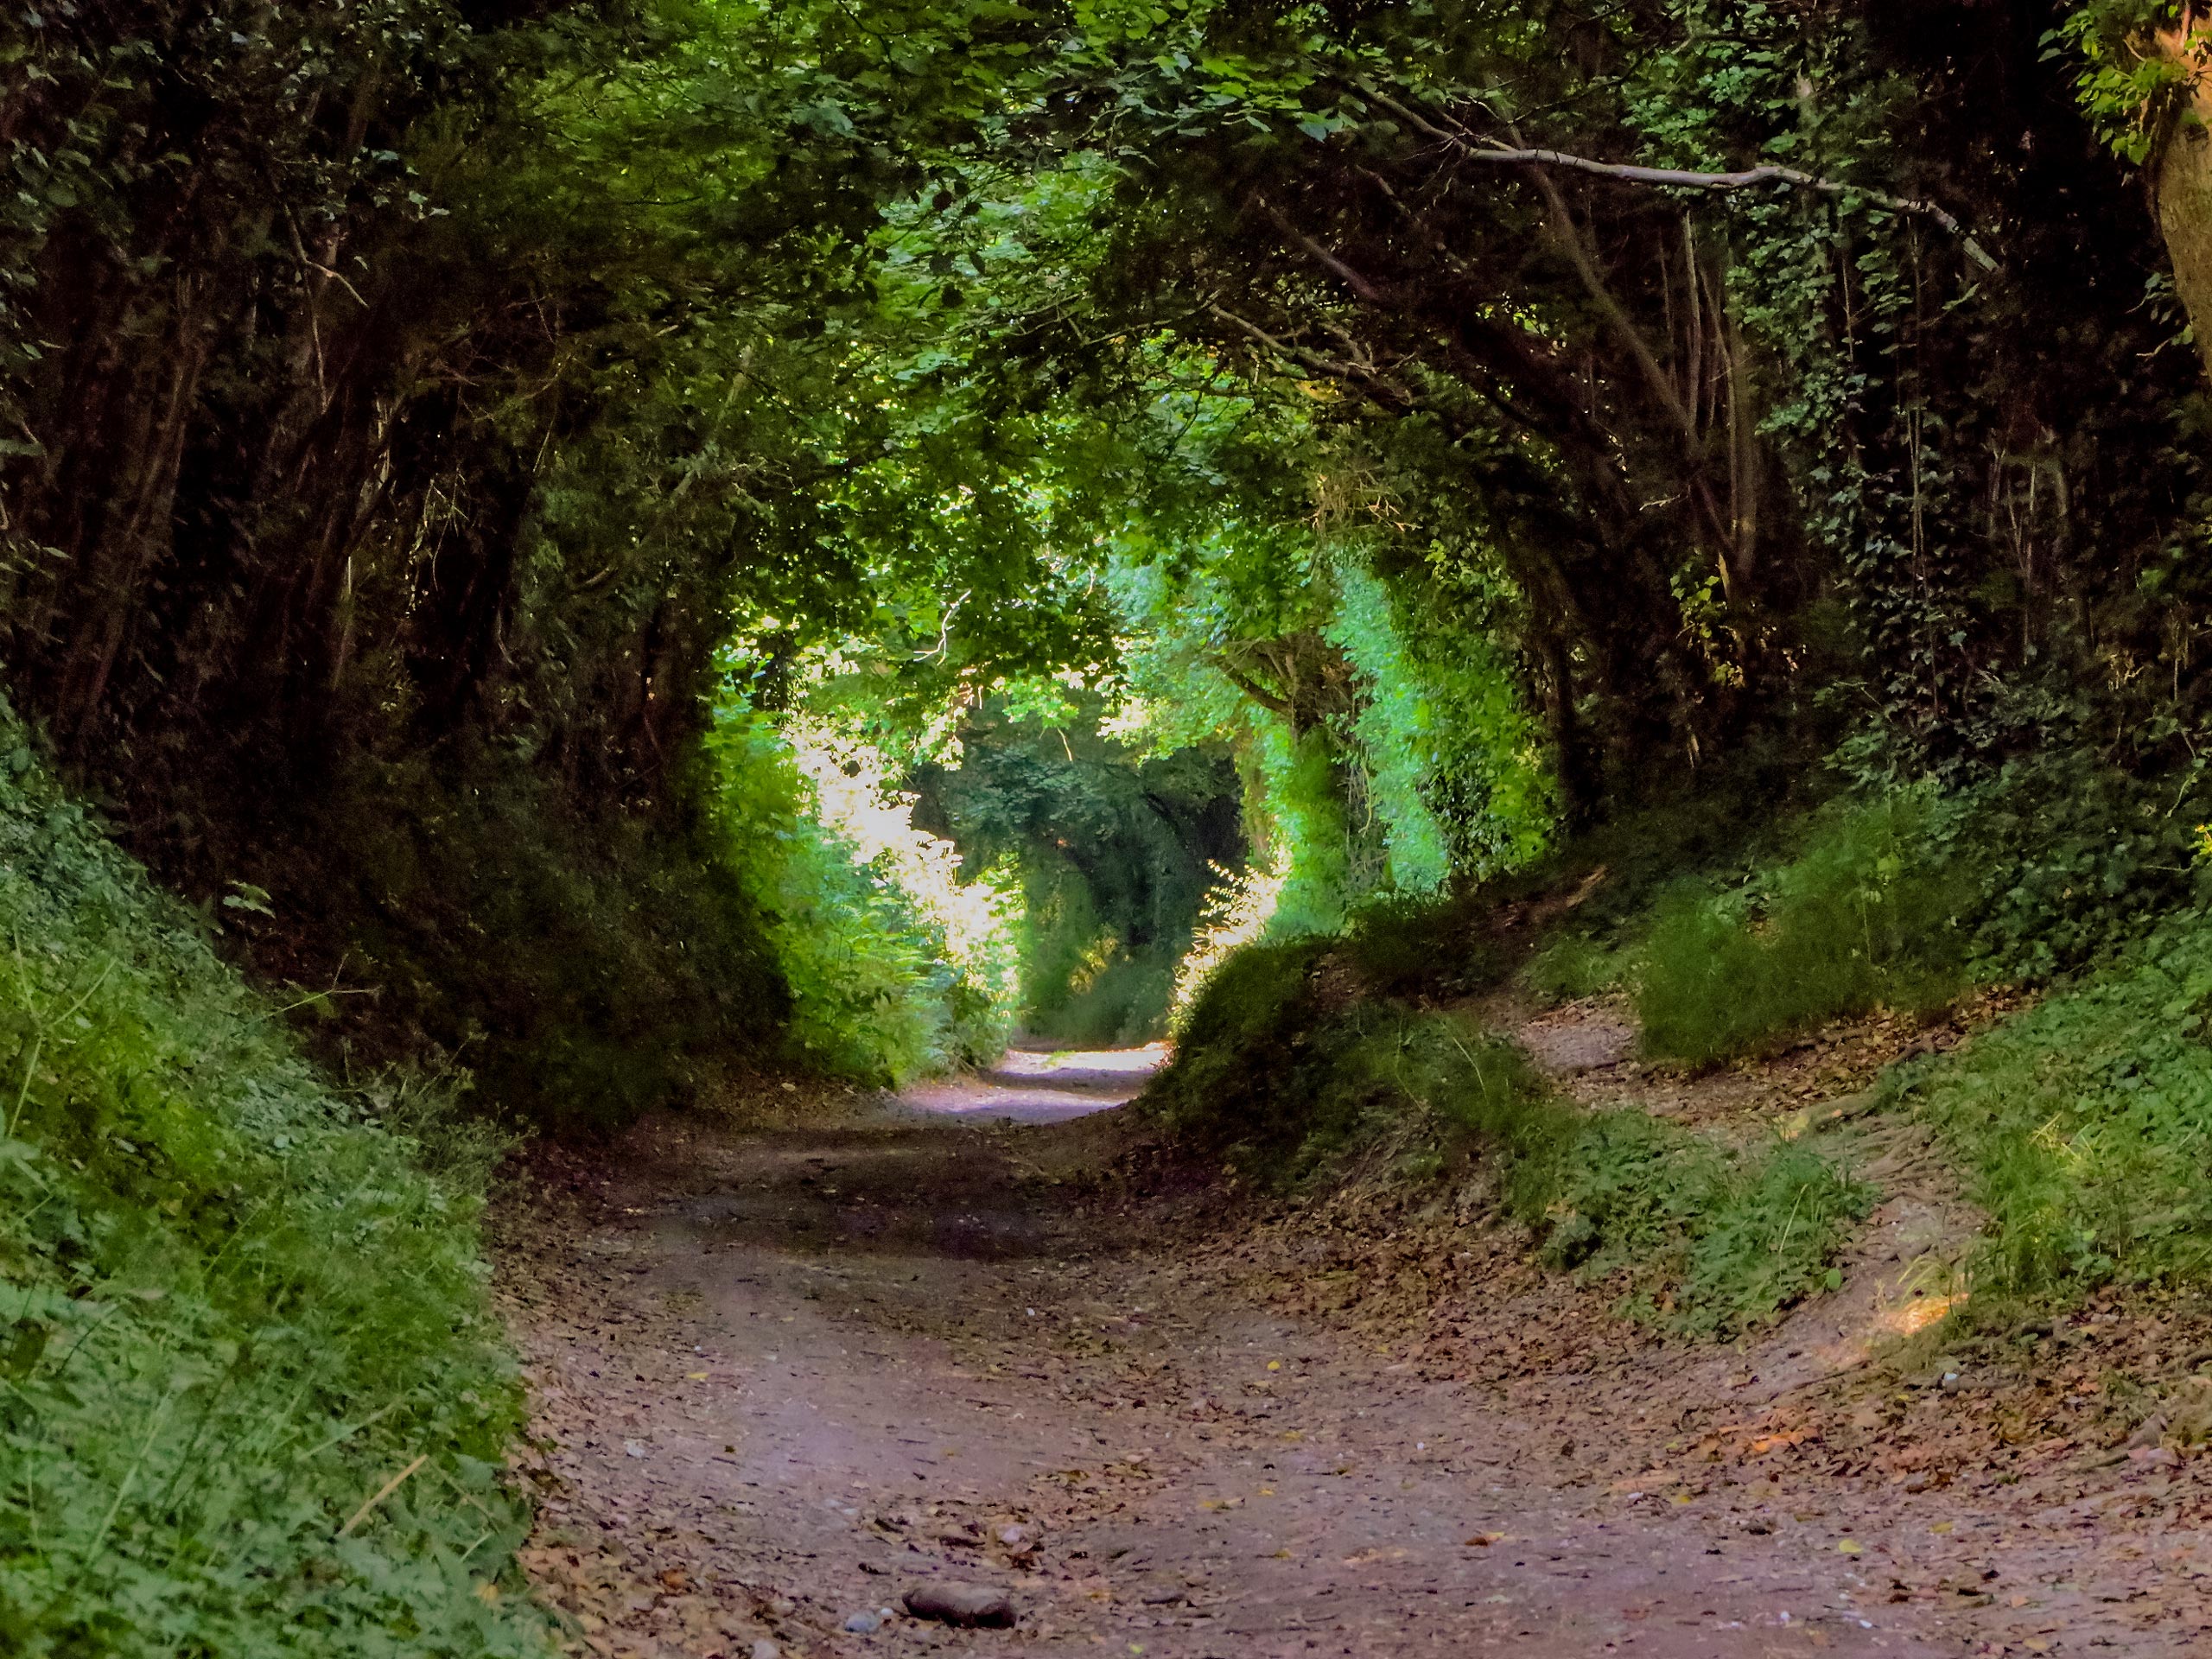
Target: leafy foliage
(1860, 918)
(2127, 87)
(1118, 850)
(877, 991)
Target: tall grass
(2084, 1124)
(233, 1305)
(1870, 912)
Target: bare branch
(1481, 149)
(1328, 261)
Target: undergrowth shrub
(1406, 947)
(232, 1306)
(877, 990)
(584, 967)
(2048, 866)
(1065, 944)
(2072, 856)
(1237, 1085)
(1868, 913)
(1082, 982)
(2083, 1123)
(1124, 1002)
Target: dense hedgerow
(879, 989)
(1902, 900)
(233, 1305)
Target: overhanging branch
(1498, 155)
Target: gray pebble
(962, 1604)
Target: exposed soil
(783, 1376)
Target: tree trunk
(2184, 188)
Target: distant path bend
(1035, 1084)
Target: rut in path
(786, 1376)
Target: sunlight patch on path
(1034, 1085)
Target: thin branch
(1254, 690)
(1684, 179)
(1360, 286)
(1319, 362)
(1567, 237)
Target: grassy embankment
(1280, 1076)
(2079, 1126)
(237, 1303)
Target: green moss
(232, 1306)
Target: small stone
(764, 1649)
(863, 1624)
(782, 1606)
(1014, 1538)
(635, 1448)
(967, 1604)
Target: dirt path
(781, 1378)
